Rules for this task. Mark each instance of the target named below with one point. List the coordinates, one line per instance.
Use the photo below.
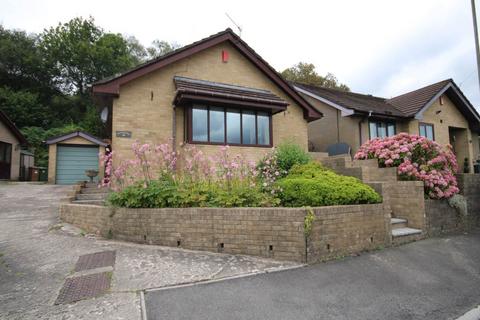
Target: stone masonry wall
(469, 185)
(268, 232)
(441, 218)
(406, 199)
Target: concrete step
(92, 202)
(90, 185)
(398, 223)
(370, 163)
(371, 174)
(93, 190)
(318, 155)
(405, 235)
(91, 196)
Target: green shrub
(313, 185)
(168, 194)
(288, 154)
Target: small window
(381, 129)
(5, 152)
(426, 130)
(218, 125)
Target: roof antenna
(236, 25)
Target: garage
(71, 155)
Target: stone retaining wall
(268, 232)
(469, 185)
(441, 218)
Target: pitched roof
(412, 102)
(10, 125)
(201, 90)
(112, 85)
(362, 103)
(74, 134)
(408, 105)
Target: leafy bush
(289, 154)
(313, 185)
(417, 158)
(166, 193)
(276, 164)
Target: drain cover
(83, 287)
(95, 260)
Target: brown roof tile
(358, 102)
(412, 102)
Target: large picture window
(426, 130)
(218, 125)
(381, 129)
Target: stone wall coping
(340, 208)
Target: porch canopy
(206, 92)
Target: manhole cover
(83, 287)
(95, 260)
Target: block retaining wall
(267, 232)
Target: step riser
(406, 239)
(93, 191)
(92, 202)
(399, 225)
(93, 196)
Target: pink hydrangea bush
(417, 158)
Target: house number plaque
(124, 134)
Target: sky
(379, 47)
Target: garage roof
(74, 134)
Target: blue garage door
(72, 161)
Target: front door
(5, 160)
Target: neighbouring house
(440, 112)
(11, 143)
(70, 155)
(217, 91)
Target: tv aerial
(236, 25)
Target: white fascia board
(345, 111)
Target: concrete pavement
(37, 253)
(431, 279)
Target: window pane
(3, 150)
(373, 130)
(233, 126)
(422, 130)
(382, 129)
(217, 125)
(429, 130)
(263, 122)
(8, 153)
(199, 124)
(391, 129)
(248, 127)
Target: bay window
(219, 125)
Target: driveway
(431, 279)
(37, 254)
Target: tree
(22, 66)
(81, 53)
(160, 48)
(305, 73)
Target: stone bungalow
(440, 112)
(11, 142)
(213, 92)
